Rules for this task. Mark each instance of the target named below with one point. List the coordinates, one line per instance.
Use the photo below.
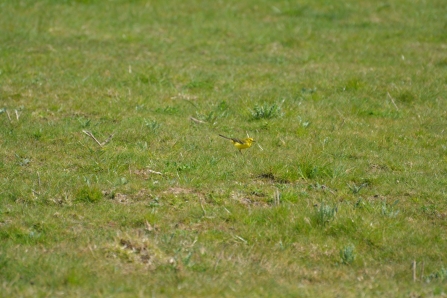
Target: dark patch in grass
(406, 97)
(37, 135)
(378, 168)
(442, 63)
(154, 78)
(308, 90)
(76, 277)
(308, 170)
(268, 175)
(258, 194)
(14, 195)
(252, 199)
(272, 178)
(391, 114)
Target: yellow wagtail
(240, 144)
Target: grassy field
(343, 194)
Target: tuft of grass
(152, 125)
(354, 84)
(356, 188)
(347, 254)
(265, 111)
(440, 275)
(88, 194)
(389, 210)
(311, 170)
(325, 213)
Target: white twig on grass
(277, 197)
(92, 136)
(108, 139)
(240, 238)
(154, 172)
(392, 100)
(196, 120)
(96, 140)
(17, 114)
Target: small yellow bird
(240, 144)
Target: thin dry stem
(414, 271)
(392, 100)
(108, 140)
(9, 117)
(203, 209)
(196, 120)
(277, 197)
(96, 140)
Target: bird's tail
(225, 137)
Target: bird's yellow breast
(244, 144)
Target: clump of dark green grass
(88, 194)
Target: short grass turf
(342, 195)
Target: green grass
(344, 189)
